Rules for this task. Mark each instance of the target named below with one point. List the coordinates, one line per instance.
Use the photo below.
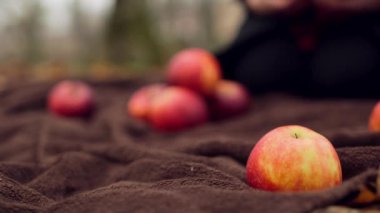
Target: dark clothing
(307, 56)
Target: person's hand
(347, 5)
(265, 7)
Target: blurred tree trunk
(79, 30)
(131, 36)
(30, 26)
(207, 18)
(84, 35)
(175, 42)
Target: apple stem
(295, 134)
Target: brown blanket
(110, 163)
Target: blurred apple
(195, 69)
(374, 119)
(139, 104)
(229, 99)
(176, 109)
(293, 158)
(71, 98)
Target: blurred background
(101, 39)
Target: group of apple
(193, 93)
(289, 158)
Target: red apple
(293, 158)
(71, 98)
(176, 109)
(374, 119)
(229, 99)
(195, 69)
(139, 104)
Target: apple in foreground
(374, 119)
(293, 159)
(229, 99)
(71, 99)
(195, 69)
(139, 104)
(177, 108)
